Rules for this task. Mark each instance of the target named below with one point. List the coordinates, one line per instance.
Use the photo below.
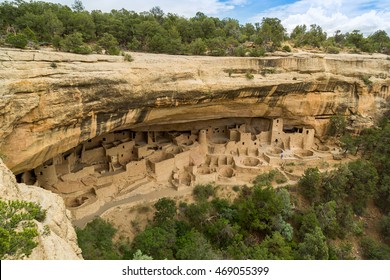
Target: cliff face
(60, 243)
(51, 102)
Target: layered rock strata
(50, 102)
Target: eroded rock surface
(57, 238)
(51, 102)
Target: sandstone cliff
(60, 243)
(51, 101)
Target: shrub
(109, 43)
(17, 228)
(332, 50)
(74, 43)
(310, 184)
(286, 48)
(128, 57)
(366, 80)
(18, 41)
(373, 250)
(249, 76)
(53, 65)
(203, 192)
(95, 240)
(337, 125)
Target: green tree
(337, 125)
(95, 241)
(157, 242)
(373, 250)
(18, 41)
(271, 33)
(203, 192)
(314, 246)
(298, 35)
(310, 184)
(327, 217)
(361, 184)
(198, 47)
(109, 43)
(78, 6)
(275, 248)
(194, 246)
(75, 43)
(165, 211)
(385, 227)
(18, 231)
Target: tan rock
(45, 111)
(57, 238)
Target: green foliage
(194, 246)
(366, 80)
(30, 35)
(361, 184)
(203, 192)
(128, 57)
(373, 250)
(198, 47)
(138, 255)
(53, 65)
(310, 184)
(74, 43)
(165, 211)
(332, 50)
(156, 242)
(314, 246)
(17, 228)
(95, 241)
(156, 31)
(341, 252)
(385, 227)
(286, 48)
(256, 212)
(275, 248)
(17, 40)
(249, 76)
(109, 43)
(337, 125)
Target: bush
(109, 43)
(366, 80)
(17, 228)
(128, 57)
(332, 50)
(373, 250)
(95, 240)
(203, 192)
(310, 184)
(74, 43)
(286, 48)
(18, 41)
(337, 125)
(249, 76)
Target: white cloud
(364, 15)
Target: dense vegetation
(18, 231)
(316, 219)
(76, 30)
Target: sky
(367, 16)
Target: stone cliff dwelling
(122, 163)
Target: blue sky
(345, 15)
